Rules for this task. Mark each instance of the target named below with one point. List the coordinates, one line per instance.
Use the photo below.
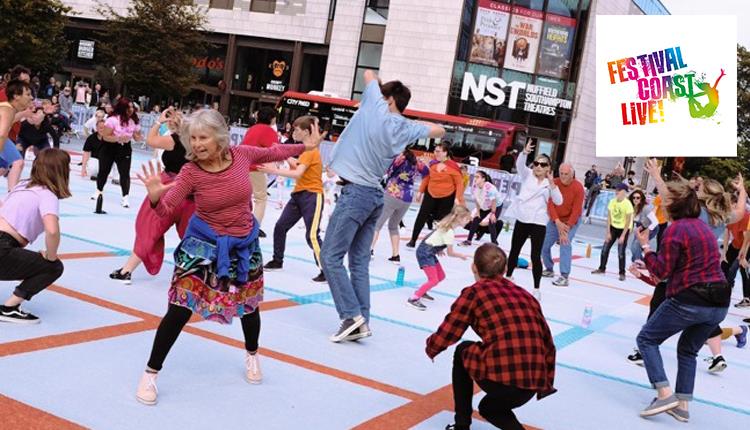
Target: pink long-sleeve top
(223, 199)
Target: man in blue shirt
(375, 135)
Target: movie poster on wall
(490, 30)
(523, 39)
(556, 46)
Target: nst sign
(491, 90)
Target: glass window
(530, 4)
(313, 73)
(563, 7)
(218, 4)
(262, 70)
(359, 80)
(369, 55)
(210, 67)
(265, 6)
(377, 12)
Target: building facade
(527, 62)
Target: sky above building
(740, 8)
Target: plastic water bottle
(288, 183)
(400, 276)
(587, 313)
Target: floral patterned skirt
(196, 286)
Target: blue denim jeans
(551, 236)
(635, 246)
(696, 324)
(350, 230)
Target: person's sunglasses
(540, 164)
(636, 198)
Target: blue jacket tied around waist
(227, 247)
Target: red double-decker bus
(482, 139)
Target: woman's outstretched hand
(151, 178)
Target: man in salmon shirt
(263, 135)
(563, 223)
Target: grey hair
(208, 120)
(572, 169)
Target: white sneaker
(538, 294)
(147, 390)
(253, 374)
(124, 202)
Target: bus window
(476, 145)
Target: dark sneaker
(372, 254)
(360, 333)
(717, 365)
(416, 304)
(597, 272)
(658, 406)
(456, 427)
(396, 259)
(679, 414)
(320, 278)
(744, 303)
(121, 276)
(115, 182)
(428, 297)
(465, 243)
(347, 327)
(548, 274)
(261, 234)
(747, 320)
(411, 244)
(742, 337)
(636, 357)
(274, 265)
(621, 277)
(17, 316)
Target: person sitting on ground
(515, 359)
(32, 208)
(484, 215)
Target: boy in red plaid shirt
(513, 362)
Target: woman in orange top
(442, 188)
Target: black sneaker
(718, 364)
(274, 265)
(411, 244)
(395, 259)
(115, 182)
(121, 276)
(17, 316)
(320, 278)
(347, 327)
(416, 304)
(428, 297)
(262, 234)
(636, 357)
(456, 427)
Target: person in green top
(619, 220)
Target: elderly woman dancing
(218, 264)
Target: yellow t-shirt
(312, 179)
(440, 237)
(619, 211)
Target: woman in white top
(529, 209)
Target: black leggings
(109, 154)
(496, 407)
(432, 207)
(493, 227)
(33, 270)
(176, 318)
(614, 237)
(521, 232)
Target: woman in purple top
(30, 209)
(399, 193)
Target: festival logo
(666, 91)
